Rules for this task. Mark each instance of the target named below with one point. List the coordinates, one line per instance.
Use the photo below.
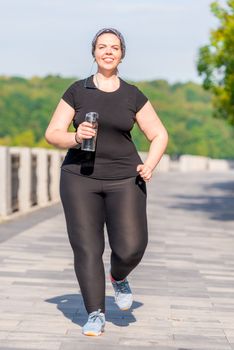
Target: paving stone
(33, 345)
(6, 347)
(13, 227)
(183, 287)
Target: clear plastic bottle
(90, 144)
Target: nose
(108, 50)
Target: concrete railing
(190, 163)
(29, 177)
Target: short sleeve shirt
(115, 156)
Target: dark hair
(113, 31)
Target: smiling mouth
(108, 60)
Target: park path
(183, 288)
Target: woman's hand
(85, 131)
(145, 171)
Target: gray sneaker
(123, 293)
(95, 324)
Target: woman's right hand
(85, 131)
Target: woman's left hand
(145, 171)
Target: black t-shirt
(115, 156)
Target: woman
(108, 185)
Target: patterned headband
(110, 30)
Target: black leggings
(90, 203)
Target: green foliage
(216, 62)
(186, 111)
(24, 139)
(26, 106)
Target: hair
(113, 31)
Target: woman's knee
(132, 255)
(85, 249)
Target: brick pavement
(183, 287)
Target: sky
(162, 37)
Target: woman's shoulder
(77, 83)
(73, 91)
(136, 93)
(129, 85)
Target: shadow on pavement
(218, 201)
(72, 307)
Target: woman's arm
(57, 133)
(154, 130)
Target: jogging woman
(107, 186)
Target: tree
(24, 139)
(216, 62)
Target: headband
(113, 31)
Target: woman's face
(108, 51)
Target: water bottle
(90, 144)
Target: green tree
(24, 139)
(26, 106)
(216, 62)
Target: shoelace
(122, 287)
(94, 315)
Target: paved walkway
(183, 288)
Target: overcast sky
(54, 36)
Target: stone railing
(29, 177)
(187, 163)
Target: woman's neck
(107, 82)
(106, 75)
